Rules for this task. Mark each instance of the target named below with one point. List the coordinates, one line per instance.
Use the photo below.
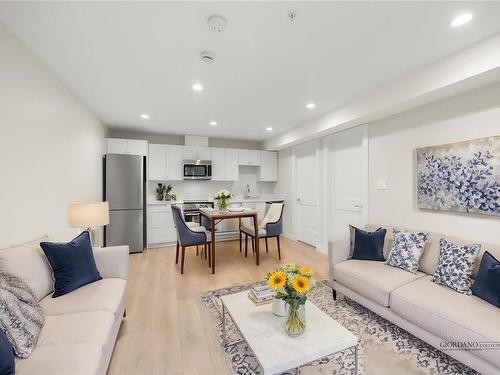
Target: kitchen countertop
(235, 200)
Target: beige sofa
(80, 327)
(429, 311)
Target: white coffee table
(273, 348)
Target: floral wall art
(461, 177)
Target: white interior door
(349, 179)
(306, 182)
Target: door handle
(358, 206)
(298, 199)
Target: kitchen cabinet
(218, 164)
(225, 165)
(165, 162)
(157, 162)
(175, 155)
(197, 153)
(249, 157)
(231, 165)
(268, 166)
(126, 146)
(161, 228)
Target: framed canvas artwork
(460, 177)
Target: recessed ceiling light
(197, 87)
(145, 116)
(269, 128)
(461, 20)
(310, 105)
(213, 123)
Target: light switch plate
(381, 183)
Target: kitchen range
(192, 209)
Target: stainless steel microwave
(197, 169)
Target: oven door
(194, 171)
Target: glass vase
(296, 322)
(222, 203)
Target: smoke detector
(207, 56)
(216, 23)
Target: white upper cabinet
(126, 146)
(204, 153)
(269, 166)
(249, 157)
(175, 155)
(197, 153)
(165, 162)
(218, 164)
(231, 165)
(157, 162)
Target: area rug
(384, 347)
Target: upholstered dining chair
(187, 236)
(270, 226)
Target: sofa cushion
(92, 326)
(102, 295)
(407, 250)
(72, 263)
(28, 262)
(7, 363)
(368, 245)
(448, 314)
(372, 279)
(487, 283)
(455, 266)
(74, 359)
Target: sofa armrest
(338, 251)
(112, 262)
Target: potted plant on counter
(222, 198)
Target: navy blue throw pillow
(487, 283)
(73, 264)
(7, 362)
(369, 245)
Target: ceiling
(123, 59)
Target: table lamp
(88, 215)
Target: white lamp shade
(88, 215)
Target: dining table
(214, 216)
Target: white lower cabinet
(161, 227)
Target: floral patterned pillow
(455, 265)
(406, 250)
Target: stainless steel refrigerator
(124, 189)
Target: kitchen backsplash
(199, 189)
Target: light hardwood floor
(167, 330)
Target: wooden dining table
(215, 216)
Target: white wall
(50, 148)
(284, 188)
(392, 147)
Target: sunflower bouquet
(292, 283)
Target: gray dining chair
(187, 236)
(270, 226)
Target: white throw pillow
(407, 249)
(28, 262)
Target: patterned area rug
(384, 347)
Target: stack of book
(261, 294)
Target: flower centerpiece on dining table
(292, 283)
(222, 197)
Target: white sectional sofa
(431, 312)
(80, 327)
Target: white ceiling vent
(216, 23)
(207, 56)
